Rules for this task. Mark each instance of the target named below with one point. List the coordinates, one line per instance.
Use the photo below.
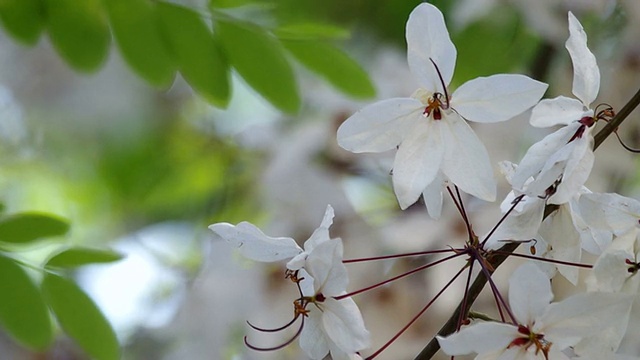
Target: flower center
(529, 339)
(585, 122)
(434, 103)
(434, 106)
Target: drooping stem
(553, 261)
(396, 256)
(417, 316)
(450, 326)
(420, 268)
(475, 289)
(617, 120)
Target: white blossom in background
(434, 141)
(563, 160)
(330, 325)
(543, 329)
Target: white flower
(254, 244)
(564, 158)
(543, 330)
(331, 326)
(616, 270)
(429, 128)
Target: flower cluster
(549, 207)
(330, 325)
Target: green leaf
(260, 60)
(80, 318)
(28, 227)
(23, 312)
(78, 256)
(333, 65)
(79, 32)
(23, 19)
(198, 56)
(310, 31)
(510, 38)
(135, 25)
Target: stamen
(278, 347)
(274, 329)
(444, 87)
(633, 266)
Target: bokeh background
(143, 171)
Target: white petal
(479, 338)
(254, 244)
(344, 325)
(605, 342)
(529, 293)
(507, 168)
(610, 271)
(581, 315)
(496, 98)
(325, 265)
(555, 354)
(339, 354)
(466, 161)
(313, 340)
(586, 75)
(539, 153)
(610, 211)
(306, 285)
(380, 126)
(417, 161)
(564, 241)
(501, 354)
(428, 38)
(558, 111)
(521, 225)
(432, 195)
(577, 170)
(321, 234)
(592, 239)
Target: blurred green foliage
(158, 37)
(24, 310)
